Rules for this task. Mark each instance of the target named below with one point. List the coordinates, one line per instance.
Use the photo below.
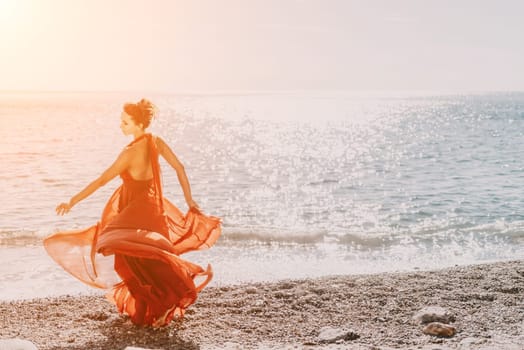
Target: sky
(261, 45)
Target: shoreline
(486, 301)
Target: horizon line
(219, 92)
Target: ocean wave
(493, 232)
(19, 238)
(498, 232)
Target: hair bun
(144, 103)
(142, 112)
(148, 109)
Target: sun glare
(10, 12)
(7, 8)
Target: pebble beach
(483, 303)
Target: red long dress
(140, 237)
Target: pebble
(439, 329)
(470, 341)
(331, 335)
(16, 344)
(433, 314)
(251, 290)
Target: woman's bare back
(140, 161)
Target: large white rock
(16, 344)
(433, 314)
(330, 335)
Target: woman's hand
(192, 204)
(63, 208)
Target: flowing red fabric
(134, 250)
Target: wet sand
(486, 301)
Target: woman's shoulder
(159, 143)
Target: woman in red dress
(134, 250)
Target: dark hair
(141, 112)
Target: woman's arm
(166, 152)
(120, 164)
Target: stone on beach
(433, 314)
(439, 329)
(330, 335)
(470, 342)
(16, 344)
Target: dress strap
(139, 138)
(155, 166)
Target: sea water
(307, 183)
